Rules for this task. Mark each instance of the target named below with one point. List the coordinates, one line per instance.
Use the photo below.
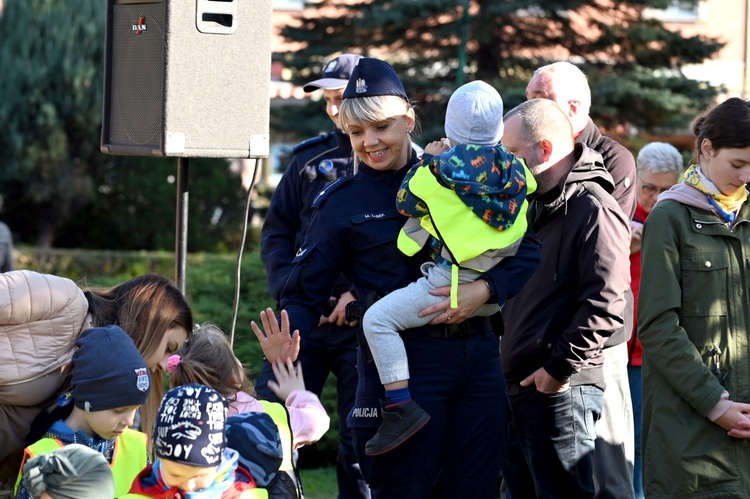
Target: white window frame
(675, 13)
(288, 4)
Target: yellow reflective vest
(129, 458)
(280, 416)
(469, 241)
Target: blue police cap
(374, 77)
(336, 73)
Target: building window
(287, 4)
(678, 11)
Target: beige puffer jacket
(41, 315)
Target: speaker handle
(217, 17)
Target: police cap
(373, 77)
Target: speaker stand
(183, 165)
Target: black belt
(470, 327)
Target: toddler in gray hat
(70, 472)
(466, 201)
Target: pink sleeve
(244, 403)
(308, 417)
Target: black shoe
(400, 422)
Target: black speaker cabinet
(187, 78)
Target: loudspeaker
(187, 78)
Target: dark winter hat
(336, 73)
(374, 77)
(189, 427)
(71, 472)
(108, 371)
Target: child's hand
(276, 344)
(288, 379)
(437, 147)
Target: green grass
(320, 483)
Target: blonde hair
(145, 307)
(207, 358)
(373, 109)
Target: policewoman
(331, 347)
(454, 365)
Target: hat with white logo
(336, 73)
(108, 371)
(374, 77)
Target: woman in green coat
(694, 319)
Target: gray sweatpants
(399, 310)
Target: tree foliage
(58, 187)
(634, 64)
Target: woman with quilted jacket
(42, 315)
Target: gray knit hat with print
(475, 115)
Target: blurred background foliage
(634, 64)
(61, 191)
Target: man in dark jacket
(566, 84)
(556, 326)
(332, 346)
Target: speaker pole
(182, 223)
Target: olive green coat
(694, 323)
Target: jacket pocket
(704, 307)
(704, 284)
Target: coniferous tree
(633, 63)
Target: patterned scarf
(726, 206)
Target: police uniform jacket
(354, 232)
(316, 162)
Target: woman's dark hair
(725, 125)
(145, 307)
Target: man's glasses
(651, 189)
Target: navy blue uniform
(328, 348)
(456, 378)
(316, 162)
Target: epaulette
(310, 142)
(328, 189)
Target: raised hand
(288, 378)
(276, 342)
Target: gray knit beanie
(475, 115)
(71, 472)
(108, 371)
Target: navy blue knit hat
(189, 427)
(374, 77)
(108, 371)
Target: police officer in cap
(332, 345)
(454, 362)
